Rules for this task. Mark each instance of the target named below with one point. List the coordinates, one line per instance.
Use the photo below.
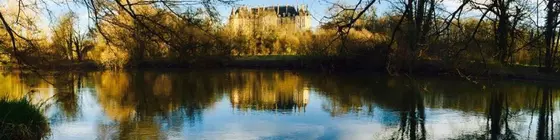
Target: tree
(83, 44)
(419, 18)
(345, 17)
(68, 42)
(63, 37)
(506, 16)
(551, 45)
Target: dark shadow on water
(498, 116)
(149, 104)
(408, 104)
(67, 87)
(545, 126)
(412, 116)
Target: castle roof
(282, 11)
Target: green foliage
(22, 120)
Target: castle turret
(277, 9)
(287, 11)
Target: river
(269, 104)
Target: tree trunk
(503, 31)
(79, 50)
(549, 36)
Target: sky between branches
(318, 9)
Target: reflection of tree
(495, 114)
(544, 128)
(139, 130)
(498, 118)
(130, 130)
(125, 96)
(11, 87)
(114, 96)
(142, 100)
(412, 116)
(193, 92)
(348, 95)
(67, 86)
(65, 97)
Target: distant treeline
(412, 34)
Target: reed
(20, 119)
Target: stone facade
(297, 18)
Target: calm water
(258, 104)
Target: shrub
(19, 119)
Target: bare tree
(418, 21)
(551, 45)
(506, 16)
(100, 10)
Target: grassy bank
(520, 72)
(339, 64)
(318, 63)
(21, 120)
(54, 66)
(422, 67)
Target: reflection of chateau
(275, 101)
(270, 17)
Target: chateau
(289, 17)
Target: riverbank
(515, 72)
(327, 65)
(362, 65)
(55, 66)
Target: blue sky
(318, 8)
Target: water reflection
(412, 116)
(545, 128)
(66, 87)
(281, 91)
(498, 116)
(255, 104)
